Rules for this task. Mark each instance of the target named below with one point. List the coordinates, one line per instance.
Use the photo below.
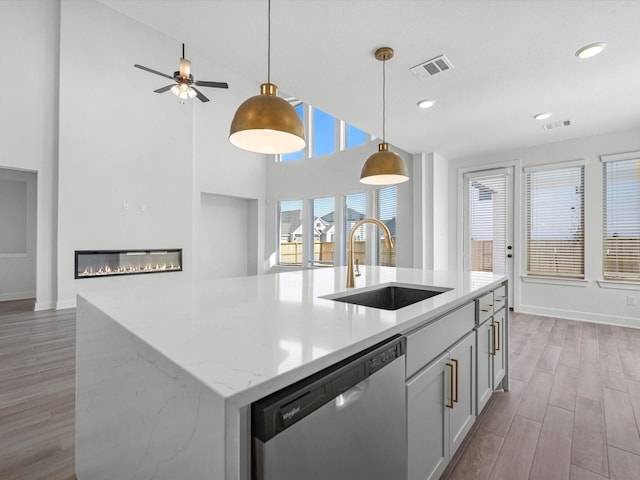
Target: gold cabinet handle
(493, 335)
(500, 300)
(455, 399)
(486, 309)
(498, 348)
(450, 405)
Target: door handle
(498, 349)
(455, 399)
(493, 335)
(450, 405)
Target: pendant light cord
(384, 102)
(269, 43)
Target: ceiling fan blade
(164, 89)
(200, 96)
(202, 83)
(153, 71)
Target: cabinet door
(428, 394)
(485, 364)
(463, 413)
(499, 359)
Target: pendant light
(267, 123)
(384, 167)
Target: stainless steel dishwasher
(348, 421)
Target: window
(290, 232)
(555, 221)
(323, 231)
(355, 136)
(386, 212)
(299, 155)
(324, 133)
(356, 209)
(486, 230)
(621, 223)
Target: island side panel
(138, 415)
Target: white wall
(223, 237)
(587, 302)
(334, 175)
(29, 45)
(132, 162)
(430, 213)
(17, 234)
(120, 143)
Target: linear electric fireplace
(106, 263)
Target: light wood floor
(572, 412)
(573, 409)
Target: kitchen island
(166, 375)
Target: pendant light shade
(267, 123)
(384, 167)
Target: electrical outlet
(631, 300)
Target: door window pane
(487, 223)
(291, 226)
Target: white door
(488, 224)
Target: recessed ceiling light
(426, 103)
(592, 50)
(542, 116)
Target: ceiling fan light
(268, 124)
(191, 93)
(384, 168)
(175, 90)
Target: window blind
(555, 222)
(621, 220)
(488, 223)
(385, 208)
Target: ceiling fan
(185, 84)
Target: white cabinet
(440, 409)
(499, 354)
(428, 394)
(492, 350)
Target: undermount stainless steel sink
(390, 297)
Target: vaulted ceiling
(511, 59)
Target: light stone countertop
(246, 337)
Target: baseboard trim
(44, 306)
(581, 316)
(5, 297)
(63, 304)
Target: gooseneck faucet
(351, 281)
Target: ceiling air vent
(554, 125)
(432, 67)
